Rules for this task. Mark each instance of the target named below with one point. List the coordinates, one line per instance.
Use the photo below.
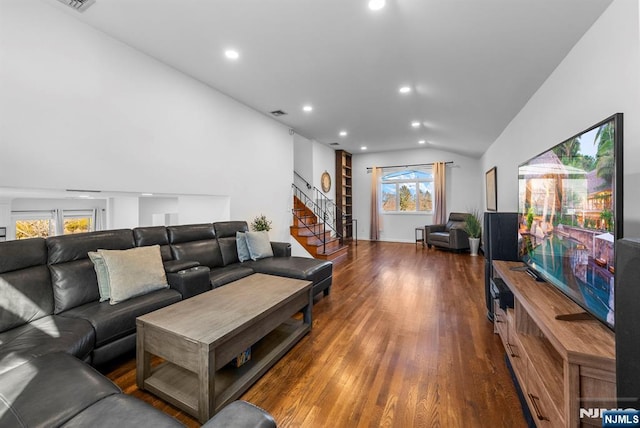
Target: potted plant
(473, 227)
(261, 223)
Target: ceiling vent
(278, 113)
(79, 5)
(83, 190)
(334, 144)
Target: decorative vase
(474, 244)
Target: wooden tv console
(561, 366)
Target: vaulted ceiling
(470, 65)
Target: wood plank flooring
(402, 341)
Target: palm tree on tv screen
(605, 162)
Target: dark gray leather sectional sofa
(50, 313)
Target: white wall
(90, 112)
(204, 209)
(462, 187)
(303, 157)
(324, 159)
(599, 77)
(158, 207)
(122, 212)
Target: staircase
(319, 240)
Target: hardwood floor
(402, 341)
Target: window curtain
(97, 219)
(375, 211)
(439, 206)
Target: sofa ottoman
(320, 272)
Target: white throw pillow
(132, 272)
(259, 245)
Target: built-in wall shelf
(344, 194)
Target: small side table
(419, 233)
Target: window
(407, 191)
(77, 222)
(34, 224)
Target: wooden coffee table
(199, 336)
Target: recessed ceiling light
(147, 194)
(422, 142)
(307, 108)
(376, 4)
(231, 54)
(405, 89)
(415, 124)
(343, 133)
(363, 148)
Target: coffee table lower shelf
(180, 387)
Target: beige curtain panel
(439, 206)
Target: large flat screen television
(570, 214)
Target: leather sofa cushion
(228, 229)
(225, 275)
(21, 254)
(226, 234)
(74, 284)
(190, 232)
(294, 267)
(25, 284)
(439, 237)
(206, 252)
(459, 217)
(50, 390)
(67, 248)
(454, 225)
(121, 410)
(111, 322)
(153, 235)
(72, 275)
(25, 296)
(112, 350)
(43, 336)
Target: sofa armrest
(240, 414)
(434, 228)
(173, 266)
(191, 281)
(458, 239)
(281, 249)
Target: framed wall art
(492, 189)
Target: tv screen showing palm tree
(570, 214)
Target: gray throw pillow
(243, 250)
(132, 272)
(259, 245)
(102, 273)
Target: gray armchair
(450, 235)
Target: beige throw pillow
(133, 272)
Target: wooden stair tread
(333, 251)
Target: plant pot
(474, 244)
